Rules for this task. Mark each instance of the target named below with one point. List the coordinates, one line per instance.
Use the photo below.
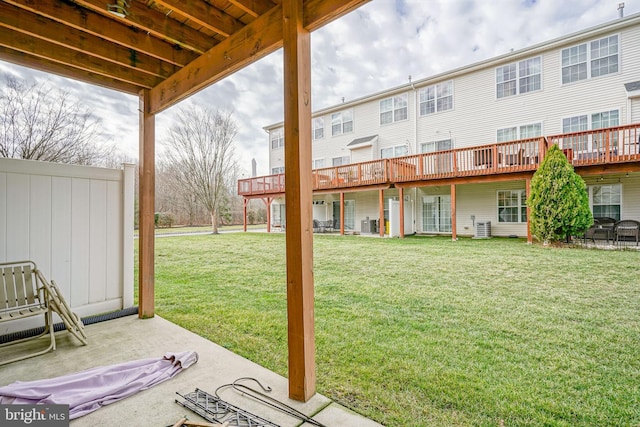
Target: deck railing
(595, 147)
(601, 146)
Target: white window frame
(394, 109)
(587, 54)
(317, 131)
(436, 98)
(517, 76)
(440, 145)
(396, 151)
(277, 170)
(340, 161)
(341, 122)
(619, 188)
(521, 207)
(584, 143)
(517, 132)
(318, 163)
(276, 136)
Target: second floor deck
(585, 150)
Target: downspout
(415, 139)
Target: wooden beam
(298, 190)
(254, 8)
(57, 33)
(318, 13)
(205, 15)
(254, 41)
(106, 28)
(244, 214)
(146, 229)
(42, 64)
(153, 22)
(54, 53)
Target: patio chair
(627, 228)
(24, 293)
(603, 227)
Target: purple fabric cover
(88, 390)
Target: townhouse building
(454, 153)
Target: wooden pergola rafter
(166, 50)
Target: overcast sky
(372, 49)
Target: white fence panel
(76, 223)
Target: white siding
(477, 115)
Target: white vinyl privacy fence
(76, 224)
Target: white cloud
(374, 48)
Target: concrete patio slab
(129, 338)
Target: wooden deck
(608, 150)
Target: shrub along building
(454, 153)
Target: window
(518, 78)
(318, 128)
(318, 164)
(603, 120)
(277, 170)
(516, 133)
(575, 124)
(581, 123)
(507, 134)
(277, 138)
(604, 56)
(394, 109)
(397, 151)
(606, 200)
(436, 98)
(512, 206)
(531, 131)
(339, 161)
(433, 146)
(341, 122)
(600, 58)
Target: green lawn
(425, 331)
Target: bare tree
(200, 148)
(38, 122)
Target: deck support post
(267, 202)
(342, 213)
(527, 187)
(298, 196)
(401, 195)
(381, 224)
(454, 225)
(146, 223)
(244, 213)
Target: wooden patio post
(298, 196)
(401, 195)
(527, 187)
(381, 224)
(342, 214)
(146, 224)
(268, 201)
(244, 213)
(454, 225)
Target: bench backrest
(18, 286)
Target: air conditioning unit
(483, 230)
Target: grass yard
(425, 331)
